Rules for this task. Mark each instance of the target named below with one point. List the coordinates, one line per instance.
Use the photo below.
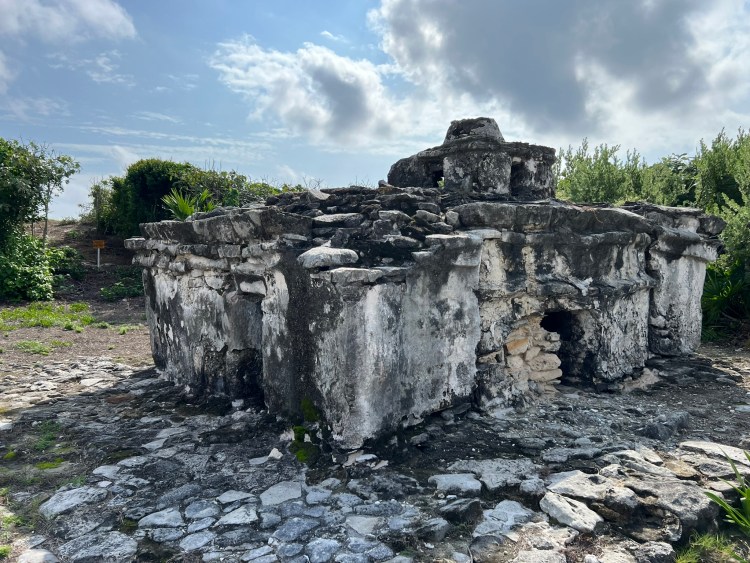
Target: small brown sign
(99, 243)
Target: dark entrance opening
(575, 360)
(517, 177)
(560, 322)
(437, 177)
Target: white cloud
(124, 156)
(338, 102)
(6, 74)
(332, 37)
(655, 75)
(103, 70)
(141, 134)
(65, 20)
(29, 109)
(155, 116)
(313, 90)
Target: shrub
(66, 261)
(129, 284)
(137, 198)
(25, 272)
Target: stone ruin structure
(461, 278)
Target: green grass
(5, 551)
(48, 432)
(77, 481)
(45, 315)
(709, 548)
(34, 347)
(10, 456)
(124, 329)
(44, 465)
(10, 520)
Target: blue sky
(334, 91)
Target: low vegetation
(128, 284)
(710, 548)
(154, 189)
(43, 314)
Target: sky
(331, 93)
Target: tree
(137, 197)
(30, 176)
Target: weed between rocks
(48, 432)
(712, 548)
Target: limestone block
(515, 362)
(349, 276)
(517, 347)
(531, 353)
(257, 287)
(545, 376)
(570, 512)
(325, 257)
(544, 362)
(338, 220)
(229, 251)
(426, 216)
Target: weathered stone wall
(381, 305)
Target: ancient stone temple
(461, 278)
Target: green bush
(25, 272)
(726, 299)
(716, 179)
(66, 261)
(137, 198)
(129, 284)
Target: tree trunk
(46, 215)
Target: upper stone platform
(475, 163)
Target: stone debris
(460, 279)
(570, 512)
(197, 494)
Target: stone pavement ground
(584, 477)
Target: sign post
(99, 244)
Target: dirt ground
(126, 338)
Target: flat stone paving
(586, 476)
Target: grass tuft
(44, 465)
(46, 315)
(709, 548)
(34, 347)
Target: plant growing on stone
(182, 206)
(740, 517)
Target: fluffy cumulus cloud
(644, 73)
(313, 90)
(65, 20)
(569, 66)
